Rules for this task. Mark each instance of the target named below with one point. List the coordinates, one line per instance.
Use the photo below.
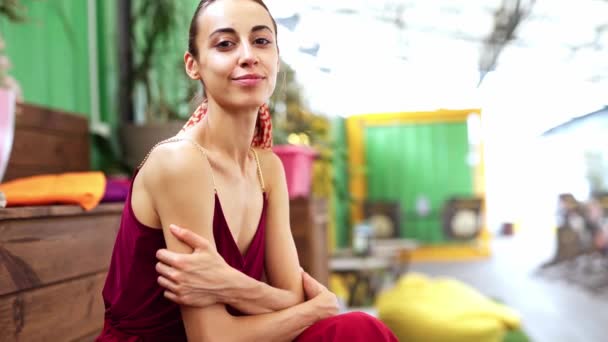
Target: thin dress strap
(257, 161)
(197, 145)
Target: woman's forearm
(255, 297)
(284, 325)
(214, 323)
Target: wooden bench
(53, 259)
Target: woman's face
(237, 53)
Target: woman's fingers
(168, 257)
(167, 271)
(312, 288)
(168, 284)
(189, 238)
(172, 297)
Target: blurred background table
(388, 259)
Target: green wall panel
(107, 45)
(408, 161)
(106, 152)
(49, 54)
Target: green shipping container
(407, 162)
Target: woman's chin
(250, 103)
(243, 101)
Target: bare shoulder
(270, 163)
(167, 176)
(172, 163)
(272, 167)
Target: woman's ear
(192, 68)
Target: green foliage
(158, 38)
(290, 115)
(13, 10)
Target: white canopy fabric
(358, 56)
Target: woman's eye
(225, 44)
(262, 41)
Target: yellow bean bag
(443, 310)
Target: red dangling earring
(263, 133)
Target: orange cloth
(83, 188)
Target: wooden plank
(39, 148)
(42, 251)
(47, 211)
(62, 312)
(32, 116)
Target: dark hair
(194, 28)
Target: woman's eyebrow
(260, 28)
(223, 30)
(233, 31)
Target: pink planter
(297, 161)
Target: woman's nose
(248, 56)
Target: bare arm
(282, 264)
(284, 325)
(203, 278)
(215, 324)
(171, 190)
(260, 297)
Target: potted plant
(301, 139)
(155, 91)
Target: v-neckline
(243, 255)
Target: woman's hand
(198, 279)
(323, 301)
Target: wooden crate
(53, 261)
(48, 141)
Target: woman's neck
(228, 132)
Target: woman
(233, 200)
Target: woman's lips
(248, 80)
